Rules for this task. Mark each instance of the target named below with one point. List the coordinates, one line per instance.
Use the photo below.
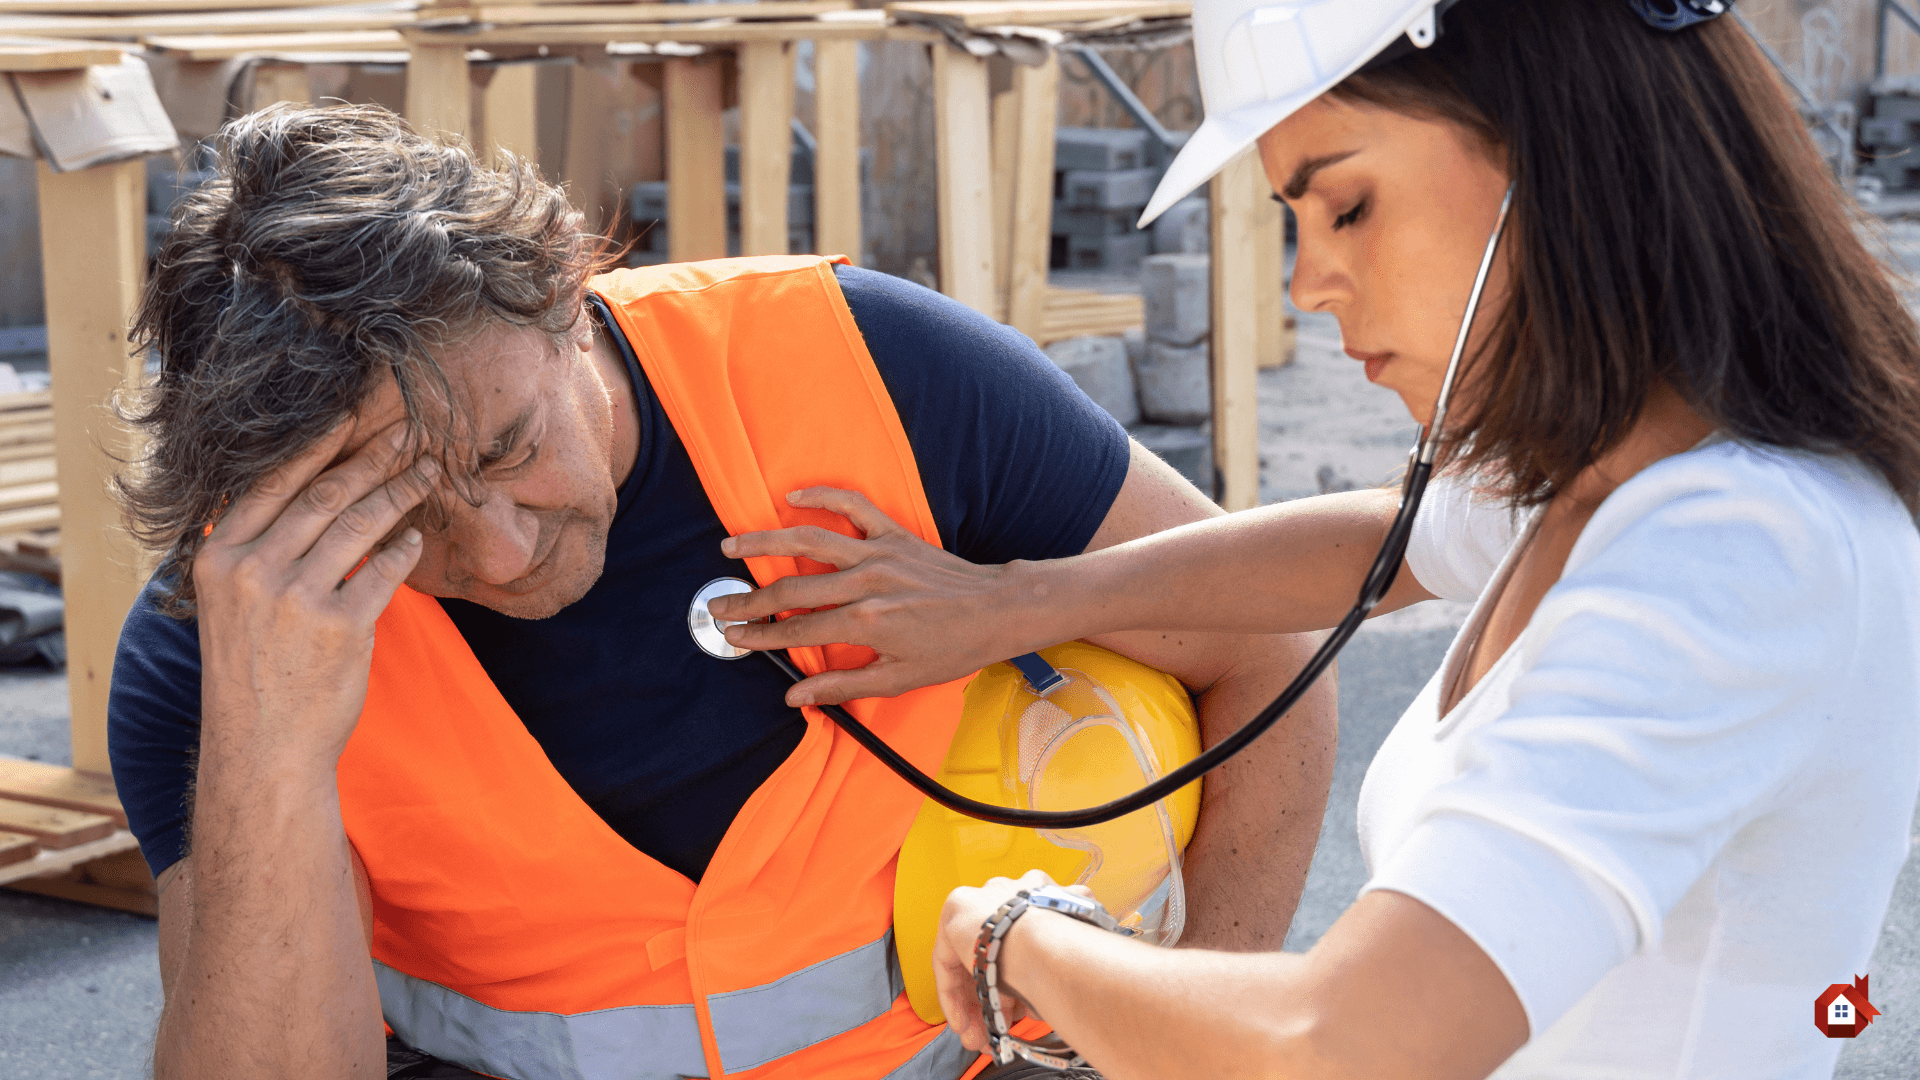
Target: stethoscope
(709, 634)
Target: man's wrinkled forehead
(491, 393)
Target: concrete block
(1136, 343)
(1893, 107)
(1120, 189)
(1178, 292)
(1176, 385)
(1185, 229)
(1099, 367)
(1099, 148)
(1091, 224)
(1188, 449)
(1118, 253)
(1887, 131)
(1898, 171)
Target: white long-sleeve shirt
(1671, 813)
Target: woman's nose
(496, 541)
(1316, 286)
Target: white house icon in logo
(1840, 1012)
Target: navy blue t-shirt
(664, 742)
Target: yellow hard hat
(1105, 727)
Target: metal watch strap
(1001, 1042)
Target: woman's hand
(930, 615)
(960, 922)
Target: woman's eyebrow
(1303, 175)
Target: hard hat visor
(1261, 63)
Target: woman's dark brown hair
(1672, 222)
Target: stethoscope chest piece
(709, 633)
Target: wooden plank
(976, 13)
(59, 786)
(40, 432)
(17, 847)
(964, 149)
(93, 241)
(509, 116)
(716, 32)
(213, 22)
(696, 160)
(1037, 96)
(138, 7)
(53, 54)
(1269, 239)
(1003, 119)
(439, 93)
(228, 46)
(1237, 194)
(275, 82)
(766, 145)
(28, 495)
(836, 157)
(40, 542)
(28, 452)
(26, 472)
(29, 399)
(522, 14)
(28, 518)
(51, 861)
(52, 826)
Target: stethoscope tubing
(1379, 579)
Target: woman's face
(1394, 213)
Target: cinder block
(1092, 224)
(1185, 229)
(1175, 383)
(1899, 171)
(1895, 107)
(1888, 132)
(1188, 449)
(1118, 253)
(1099, 367)
(1136, 343)
(1178, 294)
(1121, 189)
(1099, 148)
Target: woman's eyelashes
(1350, 216)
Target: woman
(1654, 801)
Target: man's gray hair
(332, 248)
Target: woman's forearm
(1287, 568)
(1142, 1013)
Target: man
(508, 806)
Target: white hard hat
(1260, 61)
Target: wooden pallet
(63, 833)
(29, 493)
(1079, 312)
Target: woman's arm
(932, 616)
(1393, 990)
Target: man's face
(535, 446)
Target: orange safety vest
(514, 932)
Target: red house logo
(1843, 1011)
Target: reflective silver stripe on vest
(638, 1042)
(942, 1059)
(768, 1022)
(662, 1042)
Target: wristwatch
(1001, 1042)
